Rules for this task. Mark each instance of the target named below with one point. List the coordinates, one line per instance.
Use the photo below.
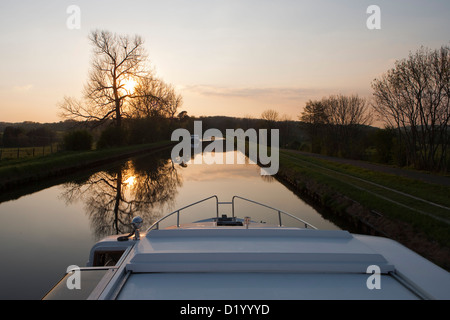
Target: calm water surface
(44, 232)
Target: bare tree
(173, 102)
(270, 115)
(149, 95)
(314, 113)
(348, 111)
(346, 116)
(117, 61)
(155, 98)
(413, 97)
(315, 116)
(334, 123)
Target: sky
(232, 58)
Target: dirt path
(417, 175)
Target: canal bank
(364, 211)
(20, 173)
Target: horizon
(234, 58)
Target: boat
(232, 257)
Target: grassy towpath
(411, 174)
(19, 172)
(411, 207)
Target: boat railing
(155, 226)
(307, 224)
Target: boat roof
(274, 263)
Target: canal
(46, 230)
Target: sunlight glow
(130, 85)
(130, 181)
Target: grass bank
(415, 213)
(22, 171)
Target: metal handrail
(155, 226)
(275, 209)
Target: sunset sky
(232, 58)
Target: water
(44, 232)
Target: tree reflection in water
(144, 186)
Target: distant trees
(15, 137)
(413, 98)
(271, 116)
(183, 115)
(41, 136)
(20, 137)
(334, 122)
(271, 119)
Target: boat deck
(205, 262)
(271, 263)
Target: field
(18, 153)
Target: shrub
(78, 140)
(112, 137)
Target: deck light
(136, 223)
(246, 222)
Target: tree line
(412, 99)
(335, 125)
(124, 102)
(16, 136)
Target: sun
(130, 181)
(129, 85)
